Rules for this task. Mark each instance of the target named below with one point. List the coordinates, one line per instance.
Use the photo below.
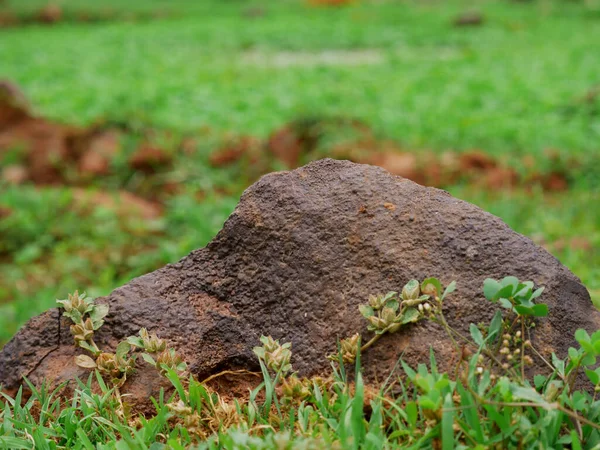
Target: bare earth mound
(294, 260)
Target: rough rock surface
(296, 257)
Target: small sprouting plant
(147, 342)
(115, 366)
(87, 317)
(156, 352)
(388, 313)
(275, 356)
(167, 359)
(515, 296)
(294, 390)
(349, 349)
(518, 298)
(584, 357)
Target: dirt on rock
(294, 260)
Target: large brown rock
(296, 257)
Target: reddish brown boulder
(294, 260)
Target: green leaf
(85, 361)
(582, 336)
(523, 290)
(593, 375)
(430, 401)
(88, 347)
(558, 364)
(510, 281)
(529, 394)
(448, 424)
(74, 315)
(84, 439)
(410, 315)
(136, 341)
(540, 310)
(588, 347)
(499, 419)
(573, 353)
(575, 442)
(523, 310)
(539, 381)
(412, 413)
(122, 349)
(149, 359)
(366, 310)
(410, 373)
(410, 291)
(392, 304)
(476, 335)
(65, 304)
(442, 383)
(99, 312)
(15, 443)
(505, 303)
(96, 324)
(504, 292)
(389, 296)
(524, 302)
(537, 293)
(449, 290)
(357, 414)
(470, 411)
(173, 377)
(588, 360)
(490, 288)
(431, 286)
(495, 327)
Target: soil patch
(54, 13)
(44, 152)
(304, 140)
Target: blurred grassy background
(523, 85)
